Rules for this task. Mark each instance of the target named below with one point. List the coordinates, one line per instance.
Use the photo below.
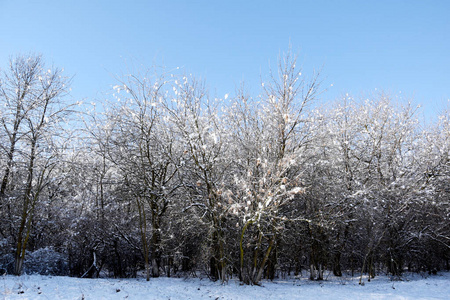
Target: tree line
(163, 178)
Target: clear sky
(400, 46)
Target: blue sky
(402, 47)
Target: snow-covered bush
(6, 263)
(47, 261)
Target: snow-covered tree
(205, 165)
(271, 137)
(34, 120)
(141, 145)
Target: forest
(161, 178)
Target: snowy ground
(413, 286)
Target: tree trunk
(27, 215)
(320, 271)
(337, 265)
(217, 260)
(312, 271)
(118, 270)
(214, 262)
(242, 277)
(155, 268)
(18, 264)
(143, 230)
(155, 246)
(255, 257)
(263, 263)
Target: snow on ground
(412, 286)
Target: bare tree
(272, 137)
(32, 94)
(142, 147)
(204, 143)
(19, 92)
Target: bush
(7, 264)
(46, 261)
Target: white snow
(412, 286)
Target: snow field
(412, 286)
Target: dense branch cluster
(162, 178)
